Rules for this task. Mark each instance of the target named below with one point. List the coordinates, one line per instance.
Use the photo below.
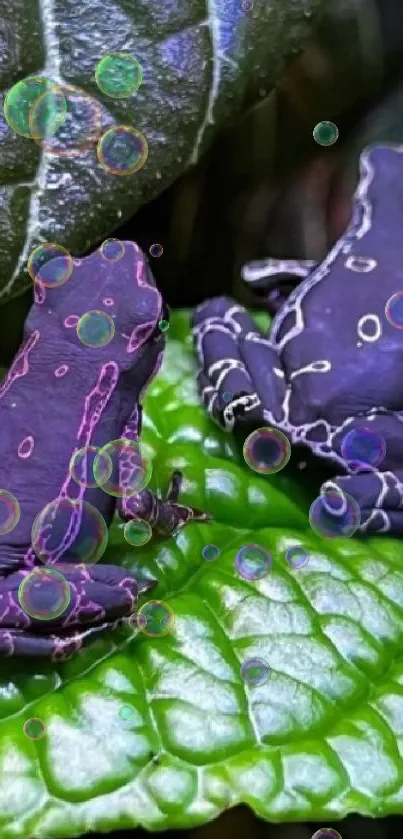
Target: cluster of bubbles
(325, 133)
(155, 619)
(267, 450)
(394, 310)
(65, 120)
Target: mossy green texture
(320, 738)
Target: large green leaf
(322, 737)
(203, 63)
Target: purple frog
(60, 397)
(331, 367)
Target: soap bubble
(112, 250)
(118, 74)
(210, 553)
(130, 472)
(81, 127)
(326, 833)
(334, 514)
(126, 712)
(156, 250)
(267, 450)
(255, 671)
(50, 264)
(325, 133)
(122, 150)
(394, 310)
(253, 562)
(44, 594)
(137, 532)
(95, 329)
(70, 528)
(159, 619)
(81, 467)
(163, 325)
(27, 93)
(10, 512)
(34, 728)
(363, 447)
(297, 557)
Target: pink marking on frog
(108, 301)
(62, 370)
(20, 365)
(26, 447)
(71, 321)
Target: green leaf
(202, 64)
(164, 731)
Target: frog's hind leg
(241, 379)
(274, 279)
(379, 496)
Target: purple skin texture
(332, 361)
(59, 396)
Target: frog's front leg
(240, 378)
(274, 279)
(163, 514)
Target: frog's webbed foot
(165, 515)
(97, 597)
(379, 496)
(274, 279)
(241, 379)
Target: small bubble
(10, 512)
(394, 310)
(95, 329)
(88, 533)
(122, 483)
(163, 325)
(137, 532)
(255, 671)
(247, 5)
(118, 74)
(326, 833)
(44, 594)
(81, 127)
(363, 447)
(267, 450)
(325, 133)
(334, 514)
(159, 617)
(50, 264)
(34, 728)
(126, 712)
(24, 95)
(112, 250)
(81, 467)
(297, 557)
(156, 250)
(253, 562)
(210, 552)
(122, 150)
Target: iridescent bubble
(118, 74)
(95, 329)
(126, 712)
(20, 100)
(253, 562)
(112, 250)
(130, 472)
(326, 833)
(10, 512)
(163, 325)
(34, 728)
(297, 557)
(255, 671)
(363, 447)
(44, 594)
(70, 528)
(81, 467)
(159, 619)
(247, 5)
(81, 127)
(334, 514)
(267, 450)
(50, 264)
(210, 552)
(325, 133)
(137, 622)
(394, 310)
(122, 150)
(137, 532)
(156, 250)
